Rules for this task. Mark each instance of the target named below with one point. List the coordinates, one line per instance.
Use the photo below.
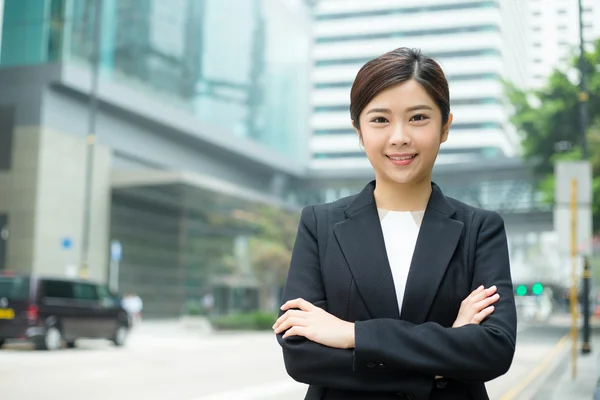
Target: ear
(446, 129)
(358, 132)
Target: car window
(14, 288)
(58, 289)
(107, 299)
(85, 291)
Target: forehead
(405, 94)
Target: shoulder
(331, 211)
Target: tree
(271, 247)
(548, 122)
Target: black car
(49, 311)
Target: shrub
(257, 321)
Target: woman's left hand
(315, 324)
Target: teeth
(402, 158)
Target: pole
(91, 142)
(584, 121)
(586, 346)
(114, 276)
(574, 278)
(583, 94)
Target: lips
(403, 157)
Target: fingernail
(480, 287)
(493, 287)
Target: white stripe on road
(256, 392)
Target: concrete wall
(18, 198)
(43, 194)
(60, 204)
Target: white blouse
(400, 232)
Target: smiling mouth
(403, 158)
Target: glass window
(85, 291)
(58, 289)
(32, 31)
(14, 288)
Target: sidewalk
(560, 385)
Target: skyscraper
(554, 34)
(477, 42)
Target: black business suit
(339, 263)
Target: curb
(536, 378)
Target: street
(163, 361)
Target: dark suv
(48, 311)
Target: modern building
(477, 42)
(201, 123)
(554, 34)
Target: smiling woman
(399, 292)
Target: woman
(385, 295)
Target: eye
(379, 120)
(419, 118)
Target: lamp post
(91, 142)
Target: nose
(400, 135)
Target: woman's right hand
(478, 306)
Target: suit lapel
(436, 243)
(361, 240)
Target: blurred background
(161, 151)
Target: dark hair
(393, 68)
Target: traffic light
(537, 289)
(521, 290)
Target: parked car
(49, 311)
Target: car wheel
(120, 336)
(71, 344)
(52, 339)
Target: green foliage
(271, 247)
(193, 308)
(247, 321)
(550, 115)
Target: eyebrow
(413, 108)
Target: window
(537, 28)
(7, 122)
(537, 60)
(58, 289)
(410, 10)
(537, 44)
(14, 288)
(85, 291)
(562, 11)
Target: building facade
(477, 43)
(554, 34)
(200, 126)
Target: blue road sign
(67, 243)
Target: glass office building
(202, 118)
(244, 71)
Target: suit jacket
(339, 263)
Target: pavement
(564, 382)
(164, 360)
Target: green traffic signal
(521, 290)
(537, 289)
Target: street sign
(66, 243)
(565, 172)
(116, 250)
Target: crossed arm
(322, 350)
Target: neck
(402, 197)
